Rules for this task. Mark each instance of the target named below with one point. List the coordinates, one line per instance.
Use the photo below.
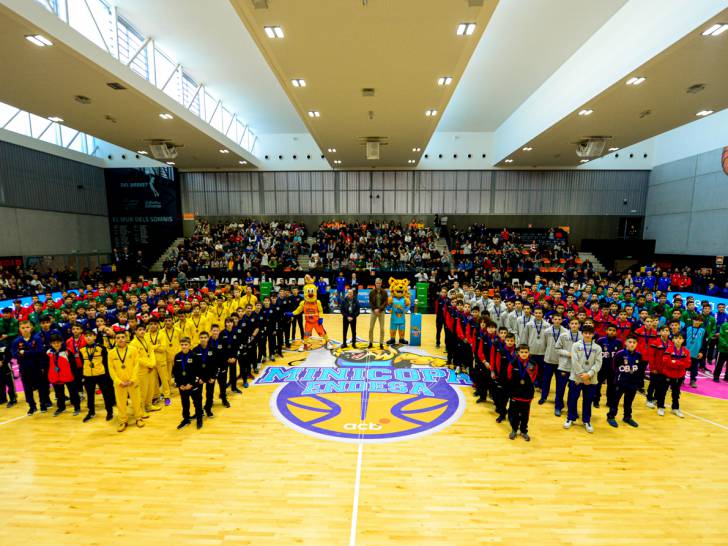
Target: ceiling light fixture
(586, 112)
(527, 149)
(716, 30)
(273, 32)
(337, 161)
(55, 119)
(314, 114)
(170, 162)
(430, 113)
(142, 152)
(704, 113)
(465, 29)
(243, 162)
(584, 161)
(614, 149)
(635, 80)
(39, 40)
(298, 82)
(509, 161)
(416, 149)
(411, 161)
(165, 115)
(332, 150)
(224, 151)
(444, 80)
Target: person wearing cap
(8, 333)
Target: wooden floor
(245, 478)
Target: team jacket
(610, 347)
(156, 345)
(520, 379)
(628, 369)
(500, 364)
(645, 338)
(695, 340)
(585, 358)
(209, 361)
(440, 305)
(186, 369)
(73, 348)
(563, 348)
(534, 335)
(94, 360)
(145, 355)
(624, 327)
(553, 334)
(123, 365)
(59, 367)
(658, 349)
(675, 362)
(26, 352)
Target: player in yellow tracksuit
(170, 340)
(156, 344)
(218, 314)
(124, 372)
(248, 299)
(147, 372)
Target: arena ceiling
(398, 49)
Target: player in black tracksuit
(521, 377)
(293, 301)
(186, 374)
(228, 345)
(246, 345)
(220, 355)
(261, 337)
(503, 351)
(208, 369)
(440, 305)
(285, 327)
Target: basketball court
(251, 476)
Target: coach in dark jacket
(349, 312)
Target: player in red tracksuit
(624, 327)
(521, 377)
(503, 350)
(450, 312)
(482, 353)
(60, 375)
(675, 362)
(657, 349)
(646, 336)
(599, 317)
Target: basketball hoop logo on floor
(370, 395)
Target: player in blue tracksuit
(628, 372)
(610, 344)
(29, 354)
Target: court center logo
(370, 395)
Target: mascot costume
(399, 302)
(312, 314)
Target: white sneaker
(567, 423)
(650, 404)
(660, 411)
(679, 413)
(589, 428)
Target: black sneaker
(370, 345)
(512, 435)
(109, 416)
(480, 400)
(525, 436)
(11, 403)
(631, 422)
(209, 413)
(403, 342)
(88, 417)
(31, 411)
(344, 346)
(500, 419)
(237, 391)
(58, 412)
(596, 404)
(43, 409)
(76, 411)
(541, 402)
(183, 424)
(381, 346)
(612, 422)
(199, 424)
(226, 403)
(437, 345)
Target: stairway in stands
(442, 248)
(598, 267)
(157, 266)
(303, 258)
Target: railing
(101, 23)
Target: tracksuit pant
(538, 359)
(209, 394)
(123, 394)
(195, 395)
(103, 383)
(32, 378)
(439, 325)
(7, 381)
(518, 413)
(286, 330)
(222, 384)
(546, 375)
(722, 359)
(346, 326)
(500, 398)
(147, 376)
(604, 376)
(655, 380)
(694, 365)
(586, 392)
(674, 386)
(60, 391)
(272, 343)
(296, 320)
(562, 379)
(232, 370)
(617, 392)
(280, 338)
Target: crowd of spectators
(237, 247)
(16, 281)
(376, 246)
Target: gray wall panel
(687, 206)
